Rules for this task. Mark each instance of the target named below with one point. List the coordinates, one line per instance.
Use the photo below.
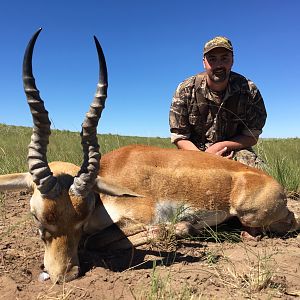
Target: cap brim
(217, 46)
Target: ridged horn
(37, 149)
(85, 179)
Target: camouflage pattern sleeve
(178, 117)
(255, 112)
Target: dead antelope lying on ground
(135, 188)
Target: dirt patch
(213, 266)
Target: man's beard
(219, 75)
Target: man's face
(218, 63)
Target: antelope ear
(16, 181)
(104, 186)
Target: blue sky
(150, 46)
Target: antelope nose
(72, 274)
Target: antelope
(132, 189)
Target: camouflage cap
(217, 42)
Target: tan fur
(210, 189)
(200, 180)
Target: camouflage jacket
(203, 117)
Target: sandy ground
(210, 267)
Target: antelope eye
(45, 235)
(43, 232)
(35, 218)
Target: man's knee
(250, 158)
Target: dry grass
(66, 292)
(254, 275)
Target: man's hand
(220, 150)
(227, 148)
(225, 153)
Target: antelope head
(63, 198)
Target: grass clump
(282, 158)
(163, 287)
(255, 273)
